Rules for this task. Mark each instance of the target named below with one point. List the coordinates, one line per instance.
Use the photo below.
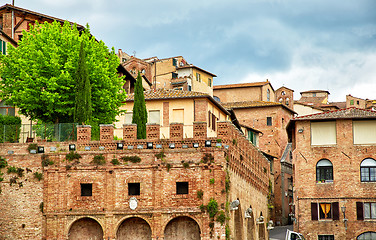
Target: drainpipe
(13, 21)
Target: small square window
(351, 102)
(181, 187)
(86, 189)
(133, 189)
(325, 210)
(357, 102)
(269, 121)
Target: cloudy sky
(300, 44)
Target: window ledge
(180, 196)
(368, 182)
(325, 182)
(85, 198)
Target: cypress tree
(83, 107)
(140, 116)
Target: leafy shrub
(19, 171)
(212, 207)
(168, 166)
(208, 157)
(67, 167)
(72, 156)
(32, 146)
(186, 164)
(46, 161)
(221, 218)
(114, 161)
(133, 159)
(38, 176)
(202, 208)
(99, 160)
(13, 180)
(3, 162)
(10, 128)
(200, 193)
(160, 155)
(212, 180)
(227, 232)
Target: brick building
(158, 191)
(334, 174)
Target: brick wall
(346, 188)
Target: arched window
(283, 93)
(280, 100)
(287, 101)
(368, 170)
(268, 95)
(367, 236)
(324, 171)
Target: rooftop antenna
(134, 53)
(13, 2)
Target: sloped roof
(346, 113)
(23, 10)
(193, 66)
(241, 85)
(315, 91)
(252, 104)
(160, 94)
(8, 37)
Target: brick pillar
(223, 130)
(200, 130)
(166, 114)
(153, 131)
(106, 132)
(176, 131)
(83, 133)
(129, 132)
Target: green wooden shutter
(1, 46)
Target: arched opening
(182, 228)
(324, 171)
(368, 170)
(133, 228)
(367, 236)
(238, 223)
(85, 228)
(250, 225)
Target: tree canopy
(39, 75)
(140, 115)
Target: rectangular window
(86, 189)
(369, 210)
(128, 117)
(154, 116)
(178, 115)
(351, 102)
(133, 189)
(323, 133)
(198, 77)
(189, 88)
(3, 47)
(209, 82)
(182, 188)
(326, 237)
(364, 132)
(174, 62)
(269, 121)
(174, 75)
(325, 211)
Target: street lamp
(343, 209)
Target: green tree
(82, 108)
(38, 76)
(140, 115)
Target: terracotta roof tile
(167, 93)
(346, 113)
(247, 104)
(240, 85)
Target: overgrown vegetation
(227, 232)
(99, 160)
(207, 158)
(19, 171)
(200, 193)
(212, 207)
(38, 176)
(32, 146)
(186, 164)
(133, 159)
(46, 161)
(160, 155)
(114, 161)
(72, 156)
(3, 162)
(212, 180)
(221, 217)
(168, 166)
(10, 128)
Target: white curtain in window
(364, 132)
(323, 133)
(154, 116)
(128, 117)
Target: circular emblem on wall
(133, 203)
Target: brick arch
(363, 230)
(187, 228)
(92, 226)
(133, 228)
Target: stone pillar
(106, 132)
(153, 131)
(176, 131)
(83, 133)
(200, 130)
(129, 132)
(223, 130)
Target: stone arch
(238, 223)
(182, 228)
(85, 228)
(133, 228)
